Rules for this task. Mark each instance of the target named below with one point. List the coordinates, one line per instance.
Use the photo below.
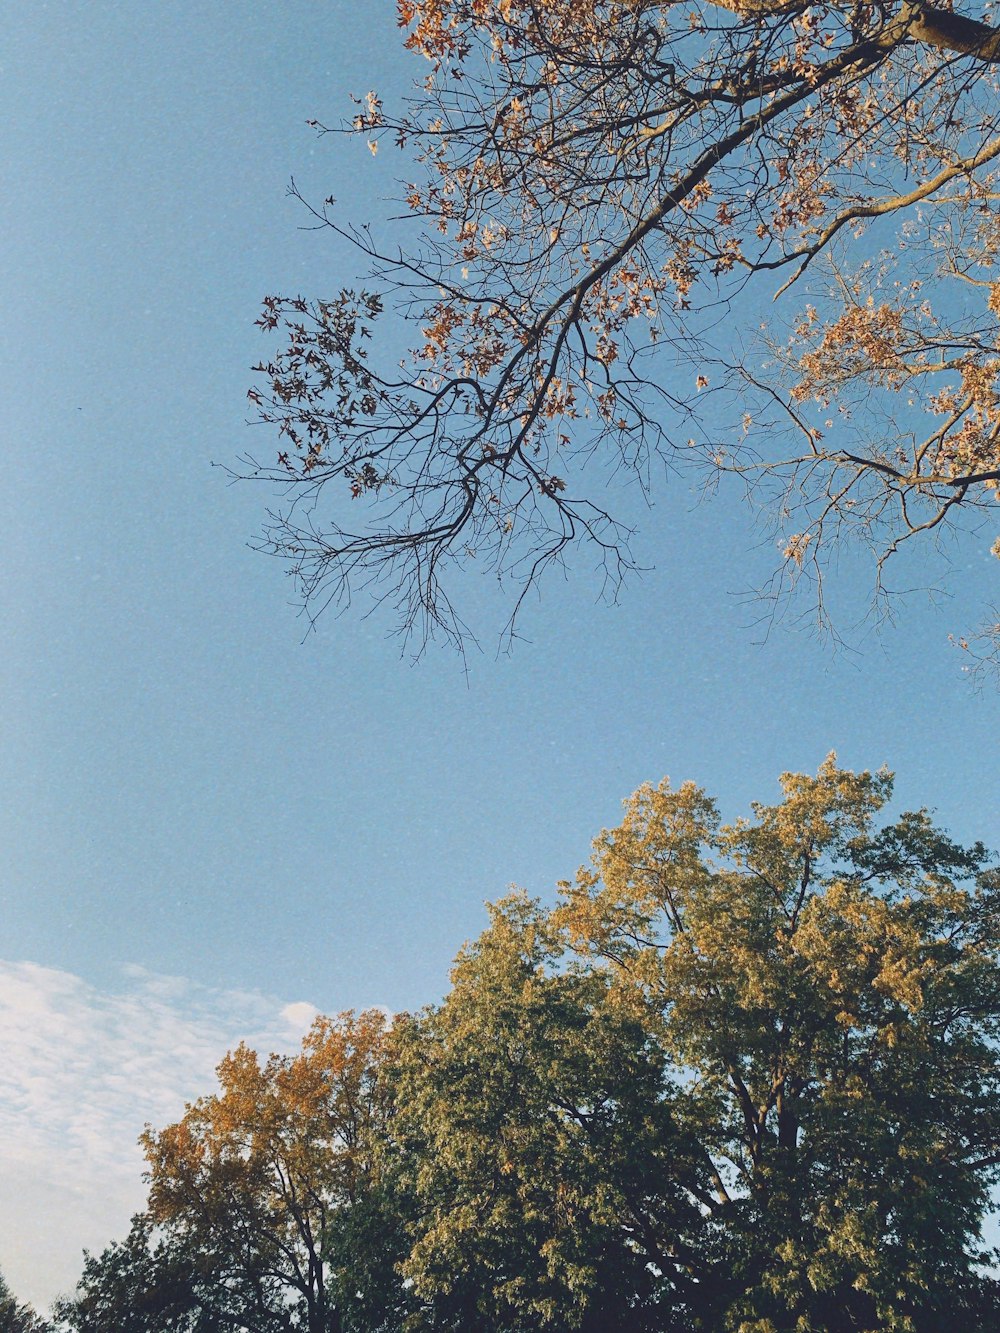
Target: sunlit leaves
(587, 180)
(832, 988)
(743, 1078)
(261, 1174)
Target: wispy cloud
(81, 1072)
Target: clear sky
(213, 825)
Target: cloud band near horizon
(83, 1071)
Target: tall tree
(538, 1162)
(260, 1178)
(744, 1079)
(592, 185)
(832, 989)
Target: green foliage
(832, 991)
(152, 1285)
(16, 1317)
(547, 1179)
(744, 1078)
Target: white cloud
(299, 1016)
(82, 1071)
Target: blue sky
(210, 816)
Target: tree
(832, 990)
(148, 1284)
(259, 1180)
(593, 187)
(743, 1078)
(537, 1160)
(15, 1316)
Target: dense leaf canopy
(743, 1078)
(258, 1180)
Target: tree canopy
(593, 189)
(257, 1180)
(546, 1183)
(829, 987)
(17, 1316)
(742, 1078)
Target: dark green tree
(542, 1165)
(153, 1283)
(16, 1316)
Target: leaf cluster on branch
(595, 188)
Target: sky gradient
(211, 815)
